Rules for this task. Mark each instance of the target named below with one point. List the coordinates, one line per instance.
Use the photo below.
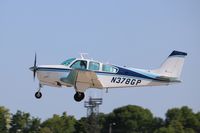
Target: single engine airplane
(82, 73)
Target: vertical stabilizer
(173, 65)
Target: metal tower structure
(92, 114)
(93, 106)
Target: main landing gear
(79, 96)
(38, 94)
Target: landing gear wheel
(79, 96)
(38, 95)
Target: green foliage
(127, 119)
(22, 122)
(45, 130)
(157, 123)
(4, 120)
(34, 125)
(176, 126)
(130, 119)
(92, 124)
(59, 124)
(184, 116)
(82, 126)
(165, 130)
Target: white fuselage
(52, 77)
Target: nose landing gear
(38, 94)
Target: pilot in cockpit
(83, 64)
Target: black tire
(38, 95)
(79, 96)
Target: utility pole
(110, 127)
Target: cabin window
(67, 62)
(109, 68)
(80, 64)
(94, 66)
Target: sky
(139, 34)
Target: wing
(82, 79)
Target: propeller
(34, 68)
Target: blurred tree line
(127, 119)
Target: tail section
(172, 66)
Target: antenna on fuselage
(83, 55)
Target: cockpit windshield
(67, 62)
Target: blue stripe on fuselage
(127, 72)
